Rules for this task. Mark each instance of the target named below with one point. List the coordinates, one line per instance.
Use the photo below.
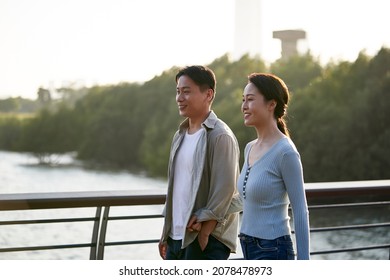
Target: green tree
(336, 125)
(298, 71)
(50, 133)
(9, 105)
(10, 133)
(113, 126)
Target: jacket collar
(208, 123)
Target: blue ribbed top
(272, 183)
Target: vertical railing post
(95, 233)
(102, 235)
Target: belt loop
(242, 236)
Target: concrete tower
(247, 35)
(289, 40)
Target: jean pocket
(267, 245)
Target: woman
(271, 176)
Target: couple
(203, 204)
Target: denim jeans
(174, 251)
(215, 250)
(255, 248)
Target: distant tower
(247, 37)
(289, 40)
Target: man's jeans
(263, 249)
(215, 250)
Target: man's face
(192, 102)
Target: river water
(21, 173)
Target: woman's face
(257, 110)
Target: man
(200, 222)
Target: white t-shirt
(184, 163)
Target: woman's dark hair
(201, 75)
(273, 88)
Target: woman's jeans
(215, 250)
(255, 248)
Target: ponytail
(282, 126)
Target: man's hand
(193, 225)
(204, 228)
(204, 233)
(162, 247)
(203, 240)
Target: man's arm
(223, 179)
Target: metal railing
(352, 227)
(355, 194)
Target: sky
(60, 43)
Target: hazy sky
(54, 43)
